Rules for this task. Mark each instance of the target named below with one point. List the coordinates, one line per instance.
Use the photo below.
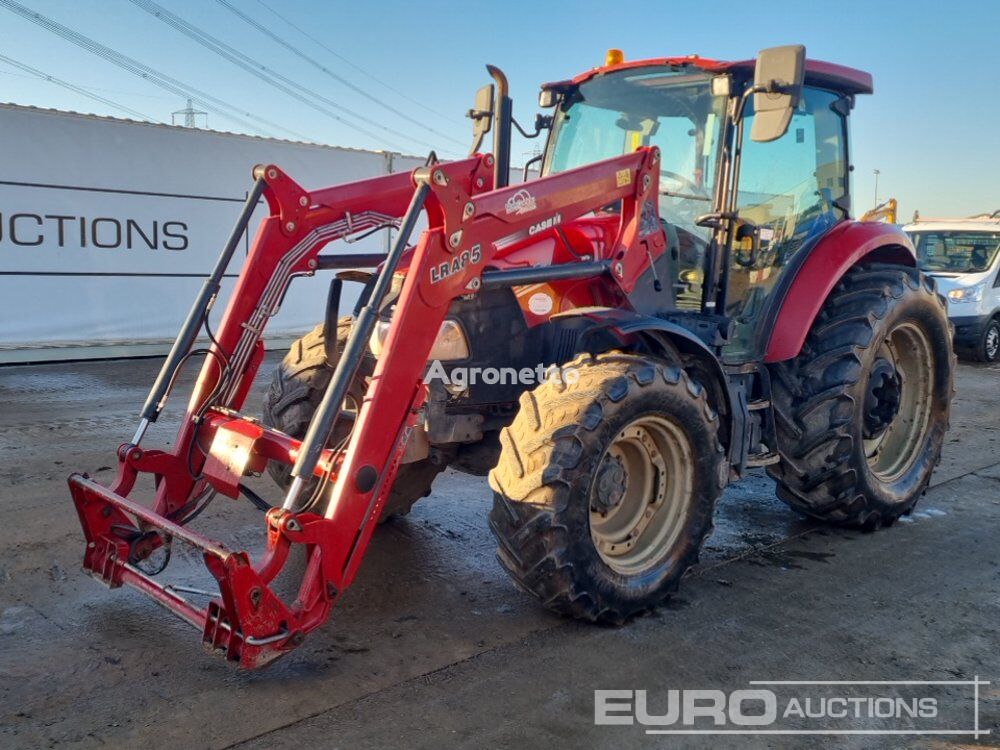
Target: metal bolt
(475, 284)
(656, 154)
(292, 525)
(619, 270)
(290, 226)
(455, 239)
(255, 597)
(312, 263)
(303, 201)
(272, 173)
(645, 182)
(440, 178)
(489, 160)
(470, 209)
(479, 182)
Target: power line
(271, 77)
(79, 90)
(299, 53)
(343, 59)
(149, 74)
(96, 88)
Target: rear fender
(844, 246)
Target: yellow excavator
(883, 212)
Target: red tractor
(681, 296)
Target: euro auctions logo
(801, 707)
(743, 708)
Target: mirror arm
(542, 122)
(715, 219)
(532, 160)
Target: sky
(932, 128)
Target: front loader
(683, 280)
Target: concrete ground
(433, 646)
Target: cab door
(793, 190)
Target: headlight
(967, 294)
(449, 344)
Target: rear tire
(862, 412)
(570, 482)
(294, 394)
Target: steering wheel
(685, 182)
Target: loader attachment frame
(216, 446)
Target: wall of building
(108, 227)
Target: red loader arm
(216, 446)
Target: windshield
(664, 106)
(956, 252)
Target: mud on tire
(546, 474)
(295, 392)
(829, 401)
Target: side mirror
(547, 98)
(482, 116)
(777, 78)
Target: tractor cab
(750, 178)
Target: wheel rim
(992, 342)
(894, 443)
(640, 495)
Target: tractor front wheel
(606, 485)
(862, 411)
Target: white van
(963, 256)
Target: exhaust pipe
(503, 113)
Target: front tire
(862, 412)
(988, 349)
(605, 487)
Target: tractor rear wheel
(862, 411)
(294, 394)
(606, 485)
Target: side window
(790, 188)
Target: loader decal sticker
(623, 177)
(545, 224)
(442, 271)
(521, 202)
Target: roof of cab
(831, 75)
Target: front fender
(844, 246)
(626, 325)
